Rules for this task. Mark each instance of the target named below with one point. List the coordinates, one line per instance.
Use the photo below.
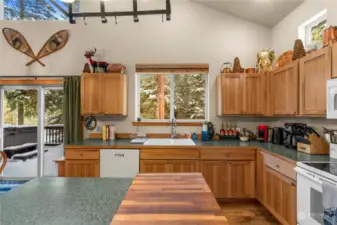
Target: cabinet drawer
(280, 166)
(230, 154)
(76, 154)
(169, 154)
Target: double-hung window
(165, 92)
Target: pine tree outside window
(36, 9)
(163, 96)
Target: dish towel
(329, 201)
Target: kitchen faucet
(173, 128)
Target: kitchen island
(169, 199)
(63, 201)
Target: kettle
(226, 67)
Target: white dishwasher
(119, 163)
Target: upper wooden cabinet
(315, 70)
(253, 94)
(334, 60)
(230, 94)
(284, 90)
(239, 94)
(104, 94)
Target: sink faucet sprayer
(173, 128)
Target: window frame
(304, 30)
(137, 93)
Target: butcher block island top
(169, 199)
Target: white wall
(285, 32)
(196, 34)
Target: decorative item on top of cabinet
(101, 66)
(284, 90)
(299, 50)
(265, 60)
(315, 70)
(250, 70)
(226, 67)
(330, 36)
(284, 59)
(104, 94)
(237, 66)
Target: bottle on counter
(222, 130)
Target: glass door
(20, 130)
(53, 129)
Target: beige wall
(196, 34)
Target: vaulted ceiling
(264, 12)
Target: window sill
(166, 124)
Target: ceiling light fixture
(135, 13)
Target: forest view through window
(36, 9)
(167, 96)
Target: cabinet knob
(227, 155)
(81, 154)
(277, 166)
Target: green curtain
(72, 109)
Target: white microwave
(331, 108)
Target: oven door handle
(308, 175)
(314, 178)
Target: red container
(262, 133)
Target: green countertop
(277, 149)
(63, 201)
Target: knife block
(317, 146)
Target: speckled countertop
(64, 201)
(276, 149)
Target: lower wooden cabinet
(155, 166)
(169, 166)
(280, 196)
(259, 176)
(82, 168)
(230, 179)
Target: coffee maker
(262, 133)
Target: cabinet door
(115, 94)
(259, 176)
(241, 179)
(215, 174)
(284, 91)
(334, 60)
(184, 166)
(155, 166)
(91, 94)
(82, 168)
(280, 196)
(252, 93)
(315, 70)
(232, 97)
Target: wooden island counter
(169, 199)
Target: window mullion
(171, 96)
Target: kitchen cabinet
(230, 179)
(155, 166)
(91, 94)
(284, 90)
(103, 94)
(280, 196)
(82, 168)
(215, 174)
(334, 60)
(240, 94)
(169, 166)
(259, 176)
(241, 175)
(230, 94)
(315, 70)
(253, 94)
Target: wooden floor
(247, 213)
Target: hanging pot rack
(135, 13)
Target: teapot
(226, 67)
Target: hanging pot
(226, 67)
